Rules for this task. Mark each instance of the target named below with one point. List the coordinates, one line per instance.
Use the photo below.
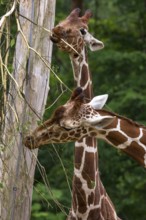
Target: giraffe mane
(121, 117)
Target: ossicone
(77, 95)
(74, 14)
(88, 14)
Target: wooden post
(26, 101)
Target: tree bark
(25, 107)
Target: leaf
(1, 185)
(12, 43)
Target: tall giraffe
(76, 120)
(74, 31)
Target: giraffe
(74, 31)
(71, 35)
(77, 119)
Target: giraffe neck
(90, 200)
(82, 74)
(126, 135)
(89, 195)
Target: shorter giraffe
(77, 119)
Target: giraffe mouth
(67, 129)
(55, 39)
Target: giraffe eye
(83, 31)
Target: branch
(38, 54)
(2, 20)
(50, 32)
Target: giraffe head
(71, 121)
(78, 113)
(72, 34)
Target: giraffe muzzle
(29, 142)
(54, 39)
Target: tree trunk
(25, 107)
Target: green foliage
(43, 201)
(7, 43)
(59, 167)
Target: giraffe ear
(98, 101)
(100, 122)
(95, 44)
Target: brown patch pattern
(78, 157)
(89, 141)
(116, 138)
(126, 128)
(135, 152)
(94, 214)
(64, 136)
(93, 134)
(91, 199)
(77, 135)
(84, 76)
(112, 125)
(88, 172)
